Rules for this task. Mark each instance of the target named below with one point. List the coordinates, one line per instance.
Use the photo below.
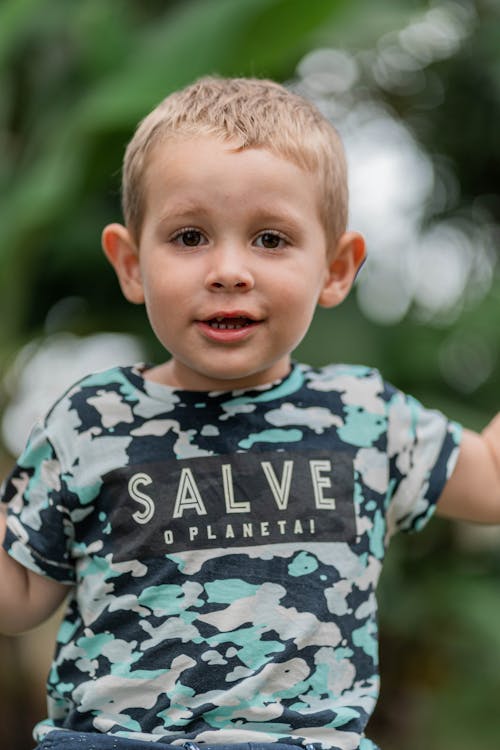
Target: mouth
(229, 328)
(229, 323)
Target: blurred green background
(414, 88)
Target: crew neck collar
(264, 392)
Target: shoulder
(89, 406)
(354, 381)
(122, 381)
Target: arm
(473, 491)
(26, 598)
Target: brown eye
(191, 237)
(269, 240)
(188, 237)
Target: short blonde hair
(255, 112)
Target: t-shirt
(224, 550)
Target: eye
(270, 240)
(189, 238)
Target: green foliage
(440, 609)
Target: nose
(229, 271)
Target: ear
(123, 254)
(343, 266)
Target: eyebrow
(279, 218)
(182, 209)
(261, 214)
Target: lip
(227, 326)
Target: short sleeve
(39, 528)
(423, 447)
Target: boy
(220, 519)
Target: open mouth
(229, 324)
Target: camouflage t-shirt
(224, 550)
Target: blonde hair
(255, 112)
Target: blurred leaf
(15, 16)
(202, 37)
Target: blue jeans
(65, 740)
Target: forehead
(207, 168)
(208, 148)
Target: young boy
(220, 520)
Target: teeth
(224, 324)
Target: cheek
(158, 288)
(159, 303)
(300, 291)
(296, 310)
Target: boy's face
(231, 262)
